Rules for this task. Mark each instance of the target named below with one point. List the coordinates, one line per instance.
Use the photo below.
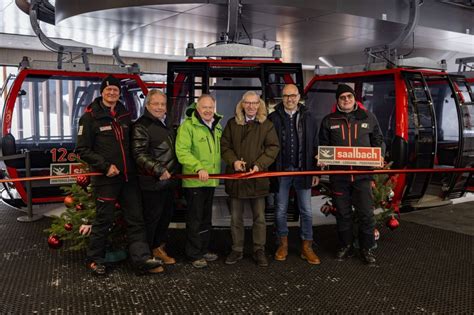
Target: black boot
(368, 257)
(147, 265)
(345, 252)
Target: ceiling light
(327, 63)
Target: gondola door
(465, 96)
(422, 138)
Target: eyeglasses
(251, 103)
(290, 96)
(346, 97)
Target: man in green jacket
(198, 150)
(249, 143)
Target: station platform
(425, 266)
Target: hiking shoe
(260, 258)
(200, 263)
(97, 269)
(234, 257)
(210, 256)
(161, 253)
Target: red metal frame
(226, 62)
(11, 100)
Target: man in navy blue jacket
(297, 133)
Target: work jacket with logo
(358, 128)
(103, 139)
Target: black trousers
(127, 195)
(358, 194)
(198, 221)
(158, 207)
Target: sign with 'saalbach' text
(355, 156)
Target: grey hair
(205, 96)
(152, 93)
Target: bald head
(291, 97)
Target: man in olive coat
(249, 143)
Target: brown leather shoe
(160, 253)
(156, 270)
(282, 250)
(308, 254)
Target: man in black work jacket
(353, 126)
(103, 142)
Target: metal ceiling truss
(388, 52)
(66, 54)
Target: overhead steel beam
(233, 13)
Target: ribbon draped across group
(249, 175)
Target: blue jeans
(304, 206)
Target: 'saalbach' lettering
(356, 154)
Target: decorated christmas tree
(73, 226)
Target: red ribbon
(32, 178)
(249, 175)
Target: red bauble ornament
(393, 223)
(83, 181)
(79, 207)
(376, 234)
(54, 242)
(117, 205)
(68, 226)
(69, 201)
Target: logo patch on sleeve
(335, 127)
(81, 128)
(364, 125)
(105, 128)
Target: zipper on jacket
(350, 144)
(209, 145)
(119, 132)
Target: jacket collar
(99, 110)
(281, 109)
(360, 113)
(148, 115)
(197, 120)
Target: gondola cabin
(428, 122)
(41, 113)
(227, 80)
